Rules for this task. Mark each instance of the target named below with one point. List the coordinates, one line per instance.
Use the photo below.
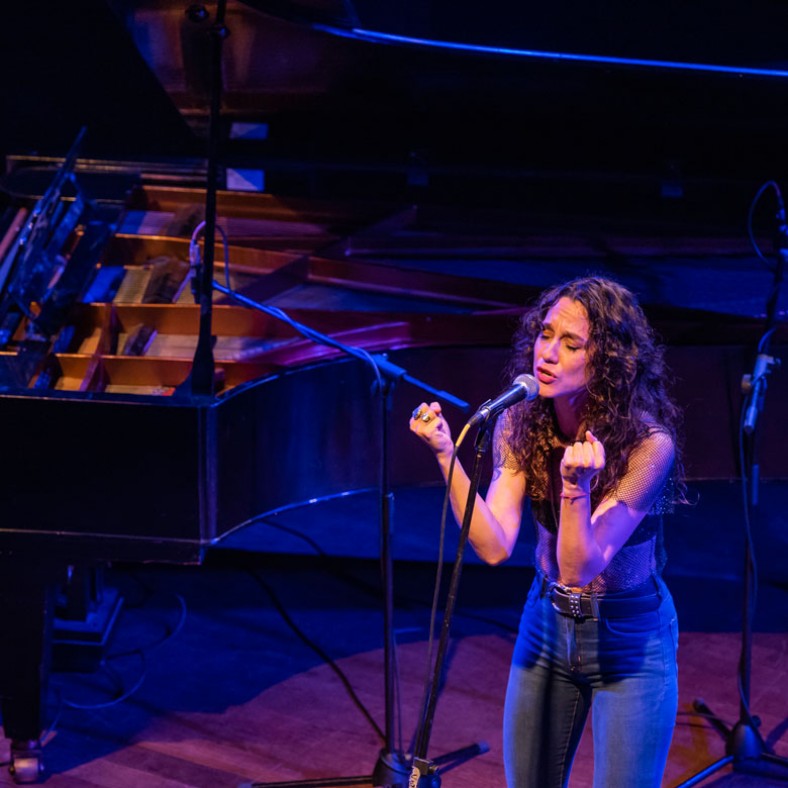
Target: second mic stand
(425, 773)
(745, 748)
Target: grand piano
(112, 456)
(118, 459)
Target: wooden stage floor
(234, 672)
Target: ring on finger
(425, 417)
(417, 412)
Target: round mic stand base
(392, 768)
(744, 750)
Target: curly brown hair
(626, 385)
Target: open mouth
(544, 376)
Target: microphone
(524, 387)
(754, 386)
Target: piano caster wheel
(27, 762)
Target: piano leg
(26, 614)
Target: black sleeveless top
(646, 486)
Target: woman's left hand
(581, 462)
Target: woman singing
(596, 455)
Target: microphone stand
(425, 773)
(744, 745)
(200, 382)
(391, 768)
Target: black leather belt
(583, 605)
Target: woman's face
(560, 350)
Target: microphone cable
(781, 215)
(429, 667)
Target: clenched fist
(582, 461)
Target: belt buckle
(574, 601)
(575, 607)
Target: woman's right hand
(428, 423)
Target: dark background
(351, 117)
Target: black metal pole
(391, 766)
(202, 376)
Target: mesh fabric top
(646, 486)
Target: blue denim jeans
(622, 668)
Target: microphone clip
(763, 366)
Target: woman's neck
(568, 416)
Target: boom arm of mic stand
(397, 373)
